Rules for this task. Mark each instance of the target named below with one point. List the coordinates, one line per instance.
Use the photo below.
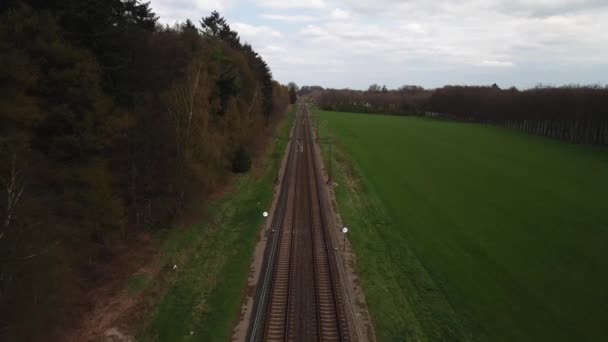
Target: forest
(407, 100)
(570, 113)
(578, 114)
(110, 124)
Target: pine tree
(293, 96)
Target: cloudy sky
(354, 43)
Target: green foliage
(213, 259)
(473, 232)
(108, 125)
(241, 162)
(293, 96)
(137, 284)
(216, 26)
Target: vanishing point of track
(299, 294)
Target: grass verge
(205, 290)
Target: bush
(241, 162)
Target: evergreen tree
(293, 96)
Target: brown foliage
(97, 145)
(390, 102)
(576, 114)
(572, 113)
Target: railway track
(299, 295)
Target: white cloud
(413, 28)
(544, 8)
(521, 42)
(497, 64)
(247, 30)
(257, 36)
(273, 49)
(171, 11)
(210, 5)
(339, 14)
(289, 18)
(287, 4)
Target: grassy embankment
(472, 232)
(212, 257)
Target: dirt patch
(109, 302)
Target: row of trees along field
(109, 123)
(570, 113)
(407, 100)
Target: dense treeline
(307, 90)
(404, 101)
(571, 113)
(109, 123)
(575, 114)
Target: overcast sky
(348, 43)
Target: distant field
(471, 232)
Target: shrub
(241, 162)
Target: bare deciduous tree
(13, 181)
(188, 113)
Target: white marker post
(265, 214)
(344, 231)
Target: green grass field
(203, 297)
(472, 232)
